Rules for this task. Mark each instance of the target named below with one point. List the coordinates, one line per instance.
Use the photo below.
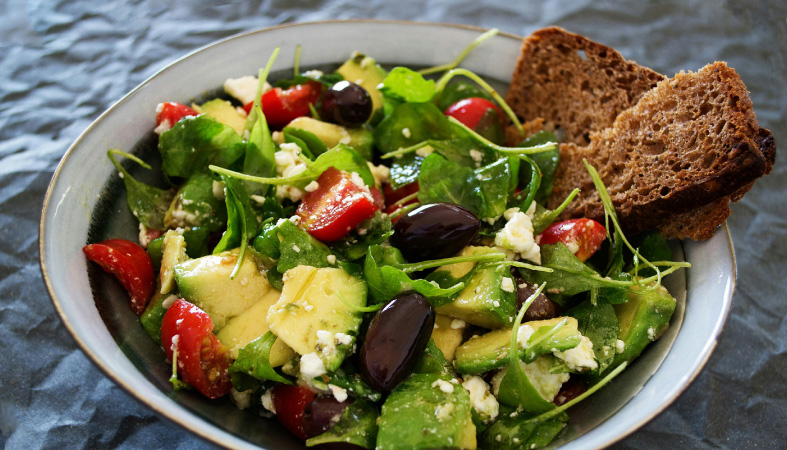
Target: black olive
(434, 231)
(321, 414)
(347, 104)
(397, 337)
(542, 307)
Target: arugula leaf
(241, 221)
(358, 425)
(407, 85)
(600, 324)
(653, 247)
(148, 204)
(254, 359)
(410, 124)
(196, 142)
(569, 276)
(513, 430)
(386, 281)
(260, 159)
(375, 231)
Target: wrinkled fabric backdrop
(64, 62)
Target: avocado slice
(447, 334)
(224, 112)
(482, 302)
(360, 139)
(173, 252)
(643, 319)
(364, 71)
(153, 315)
(206, 283)
(490, 351)
(251, 324)
(315, 313)
(427, 411)
(195, 206)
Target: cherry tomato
(378, 198)
(131, 265)
(471, 110)
(337, 206)
(281, 106)
(582, 236)
(168, 114)
(290, 403)
(203, 361)
(394, 195)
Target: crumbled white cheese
(169, 301)
(308, 308)
(296, 249)
(523, 335)
(358, 181)
(381, 173)
(517, 235)
(241, 399)
(267, 401)
(477, 157)
(651, 334)
(289, 164)
(295, 219)
(620, 346)
(331, 259)
(580, 358)
(311, 366)
(311, 187)
(443, 412)
(343, 339)
(457, 324)
(481, 399)
(339, 394)
(244, 88)
(163, 126)
(406, 133)
(313, 74)
(507, 284)
(144, 240)
(444, 386)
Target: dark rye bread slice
(687, 144)
(574, 84)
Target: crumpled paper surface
(62, 63)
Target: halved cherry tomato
(131, 265)
(281, 106)
(337, 206)
(471, 110)
(203, 361)
(377, 197)
(171, 112)
(582, 236)
(394, 195)
(290, 402)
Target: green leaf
(460, 90)
(346, 377)
(375, 231)
(358, 425)
(241, 221)
(569, 276)
(513, 431)
(433, 361)
(547, 162)
(196, 142)
(148, 204)
(260, 159)
(254, 359)
(405, 170)
(600, 324)
(653, 247)
(410, 124)
(407, 85)
(195, 205)
(314, 146)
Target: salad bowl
(85, 202)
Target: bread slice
(680, 153)
(576, 85)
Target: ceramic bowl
(86, 203)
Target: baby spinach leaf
(433, 361)
(600, 324)
(386, 281)
(196, 142)
(148, 204)
(569, 276)
(546, 161)
(405, 170)
(260, 159)
(314, 146)
(291, 246)
(358, 425)
(459, 90)
(375, 231)
(410, 124)
(513, 430)
(241, 221)
(653, 247)
(254, 360)
(407, 85)
(195, 205)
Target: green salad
(364, 253)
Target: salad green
(274, 245)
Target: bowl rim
(217, 438)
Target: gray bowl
(85, 201)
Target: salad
(362, 254)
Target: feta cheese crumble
(580, 358)
(517, 234)
(289, 164)
(340, 394)
(547, 384)
(381, 173)
(444, 386)
(244, 89)
(481, 398)
(311, 366)
(267, 401)
(507, 285)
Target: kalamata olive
(541, 308)
(321, 414)
(570, 390)
(434, 231)
(347, 104)
(396, 339)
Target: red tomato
(581, 236)
(131, 265)
(290, 402)
(281, 106)
(469, 111)
(335, 207)
(394, 195)
(203, 361)
(171, 112)
(377, 197)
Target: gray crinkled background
(64, 62)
